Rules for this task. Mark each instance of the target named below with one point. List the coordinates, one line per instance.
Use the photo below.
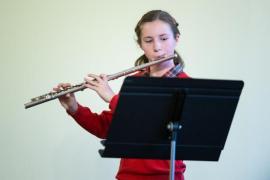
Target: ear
(177, 38)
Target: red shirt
(130, 169)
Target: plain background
(43, 43)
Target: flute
(79, 87)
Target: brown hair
(152, 16)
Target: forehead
(155, 28)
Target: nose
(157, 46)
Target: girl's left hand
(100, 85)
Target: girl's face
(157, 39)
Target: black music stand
(151, 112)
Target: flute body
(79, 87)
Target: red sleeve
(96, 124)
(113, 103)
(183, 75)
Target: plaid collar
(173, 72)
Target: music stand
(151, 111)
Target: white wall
(46, 42)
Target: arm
(96, 124)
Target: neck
(159, 70)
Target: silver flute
(79, 87)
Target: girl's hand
(100, 85)
(68, 101)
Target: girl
(157, 35)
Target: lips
(160, 57)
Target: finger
(63, 86)
(58, 87)
(90, 76)
(104, 77)
(92, 82)
(55, 89)
(95, 77)
(93, 87)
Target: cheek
(170, 46)
(145, 48)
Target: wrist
(73, 109)
(109, 97)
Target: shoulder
(183, 75)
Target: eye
(148, 41)
(164, 38)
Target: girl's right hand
(68, 101)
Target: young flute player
(157, 35)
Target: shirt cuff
(113, 102)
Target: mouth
(160, 57)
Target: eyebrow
(147, 38)
(163, 35)
(152, 37)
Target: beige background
(46, 42)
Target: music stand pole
(173, 128)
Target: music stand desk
(200, 110)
